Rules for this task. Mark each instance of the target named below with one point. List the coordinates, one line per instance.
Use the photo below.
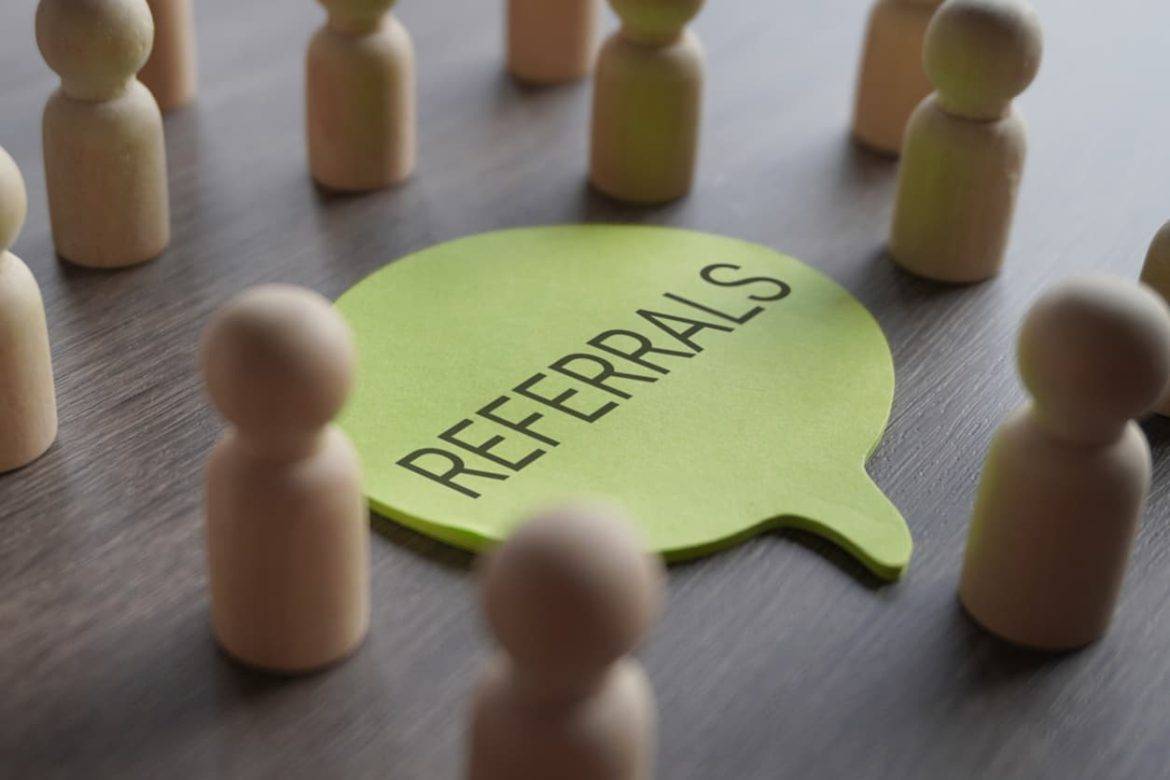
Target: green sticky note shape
(714, 387)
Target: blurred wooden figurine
(567, 597)
(552, 41)
(1066, 478)
(170, 73)
(1156, 273)
(647, 103)
(287, 527)
(892, 81)
(105, 162)
(28, 406)
(361, 98)
(964, 148)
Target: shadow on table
(1157, 429)
(992, 661)
(463, 561)
(865, 168)
(823, 548)
(445, 555)
(596, 207)
(840, 559)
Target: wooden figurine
(1066, 478)
(105, 162)
(170, 73)
(965, 144)
(361, 98)
(287, 527)
(567, 596)
(552, 41)
(647, 103)
(1156, 274)
(892, 81)
(28, 405)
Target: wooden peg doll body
(567, 596)
(1066, 478)
(170, 73)
(647, 103)
(361, 98)
(892, 81)
(105, 161)
(606, 734)
(1156, 274)
(552, 41)
(964, 149)
(28, 406)
(287, 527)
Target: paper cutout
(491, 382)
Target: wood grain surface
(780, 658)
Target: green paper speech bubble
(714, 387)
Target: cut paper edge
(889, 567)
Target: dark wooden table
(780, 658)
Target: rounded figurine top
(1095, 352)
(655, 21)
(980, 54)
(356, 15)
(95, 46)
(569, 593)
(278, 362)
(1156, 271)
(13, 201)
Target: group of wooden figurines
(571, 592)
(568, 595)
(962, 147)
(361, 91)
(105, 158)
(123, 62)
(936, 86)
(647, 93)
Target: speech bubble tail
(862, 521)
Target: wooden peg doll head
(655, 21)
(13, 201)
(1156, 271)
(980, 54)
(1094, 352)
(95, 46)
(568, 594)
(356, 15)
(278, 362)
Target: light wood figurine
(552, 41)
(287, 527)
(647, 103)
(892, 81)
(567, 596)
(1066, 478)
(361, 98)
(105, 161)
(1156, 274)
(28, 406)
(170, 73)
(964, 149)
